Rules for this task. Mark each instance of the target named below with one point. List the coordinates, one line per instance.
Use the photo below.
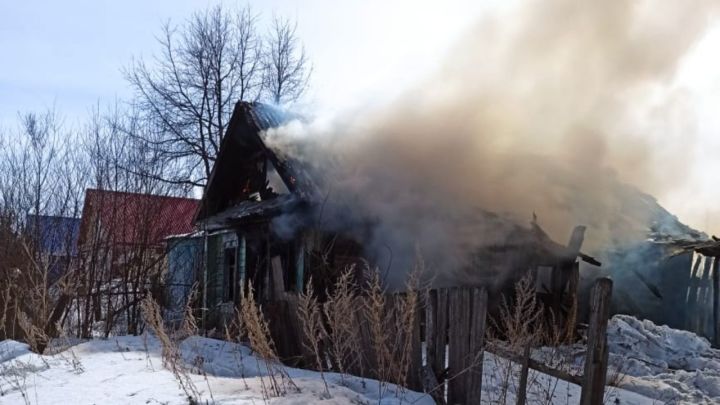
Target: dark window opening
(287, 252)
(230, 274)
(254, 266)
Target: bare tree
(98, 287)
(164, 144)
(120, 255)
(188, 93)
(40, 185)
(206, 65)
(286, 70)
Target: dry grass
(517, 323)
(189, 325)
(556, 356)
(405, 317)
(314, 332)
(258, 333)
(392, 322)
(615, 379)
(171, 355)
(13, 375)
(389, 321)
(5, 299)
(34, 335)
(520, 317)
(256, 328)
(377, 315)
(63, 348)
(233, 333)
(525, 323)
(343, 336)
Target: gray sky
(70, 54)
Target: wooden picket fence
(455, 325)
(451, 324)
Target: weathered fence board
(716, 300)
(571, 322)
(441, 336)
(458, 342)
(415, 379)
(435, 343)
(596, 359)
(430, 325)
(478, 309)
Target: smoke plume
(552, 109)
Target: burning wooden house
(259, 216)
(256, 218)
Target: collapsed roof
(705, 247)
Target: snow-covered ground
(499, 387)
(129, 370)
(659, 364)
(669, 366)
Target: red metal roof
(132, 218)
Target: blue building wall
(184, 260)
(56, 235)
(56, 238)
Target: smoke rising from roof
(550, 109)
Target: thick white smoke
(549, 109)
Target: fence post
(441, 332)
(436, 315)
(716, 299)
(596, 360)
(525, 368)
(430, 325)
(478, 312)
(430, 372)
(458, 344)
(415, 381)
(573, 297)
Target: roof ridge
(131, 193)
